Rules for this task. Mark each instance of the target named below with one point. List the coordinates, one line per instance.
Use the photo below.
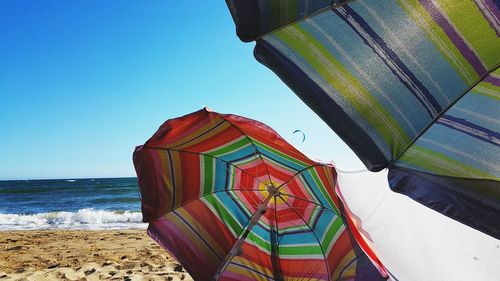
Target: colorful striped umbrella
(231, 200)
(409, 85)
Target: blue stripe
(470, 129)
(227, 201)
(281, 160)
(420, 92)
(238, 154)
(321, 223)
(303, 237)
(466, 108)
(221, 175)
(314, 189)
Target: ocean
(100, 203)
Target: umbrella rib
(251, 142)
(204, 154)
(424, 130)
(310, 201)
(315, 237)
(298, 173)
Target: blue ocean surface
(101, 203)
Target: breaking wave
(82, 219)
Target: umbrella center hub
(274, 191)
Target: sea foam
(82, 219)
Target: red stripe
(153, 191)
(205, 218)
(341, 247)
(174, 129)
(190, 171)
(218, 140)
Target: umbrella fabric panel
(327, 242)
(204, 229)
(453, 167)
(175, 169)
(379, 72)
(465, 140)
(310, 185)
(253, 18)
(472, 202)
(251, 264)
(314, 248)
(195, 231)
(330, 243)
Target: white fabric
(414, 242)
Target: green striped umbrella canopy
(409, 85)
(231, 200)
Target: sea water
(101, 203)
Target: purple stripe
(396, 65)
(471, 129)
(345, 267)
(236, 276)
(167, 234)
(491, 13)
(492, 80)
(159, 229)
(316, 220)
(454, 36)
(493, 7)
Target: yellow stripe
(185, 138)
(349, 271)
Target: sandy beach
(85, 255)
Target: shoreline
(64, 254)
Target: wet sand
(85, 255)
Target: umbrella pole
(236, 249)
(277, 273)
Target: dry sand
(85, 255)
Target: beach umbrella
(231, 200)
(412, 86)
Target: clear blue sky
(83, 82)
